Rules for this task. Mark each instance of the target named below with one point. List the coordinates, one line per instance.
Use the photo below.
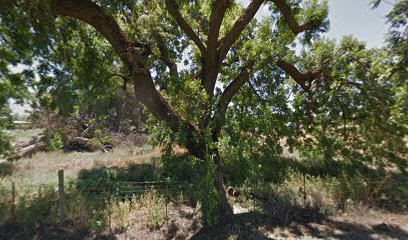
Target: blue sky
(353, 17)
(356, 17)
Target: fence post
(304, 189)
(109, 207)
(13, 200)
(61, 196)
(167, 202)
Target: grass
(36, 187)
(42, 168)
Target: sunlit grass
(42, 168)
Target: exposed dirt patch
(309, 225)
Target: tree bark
(224, 209)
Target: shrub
(5, 146)
(142, 173)
(6, 169)
(154, 207)
(99, 180)
(178, 167)
(53, 140)
(121, 214)
(33, 209)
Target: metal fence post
(61, 196)
(13, 200)
(304, 189)
(167, 202)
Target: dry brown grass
(42, 168)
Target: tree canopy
(228, 87)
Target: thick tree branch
(300, 78)
(289, 17)
(216, 18)
(124, 78)
(197, 74)
(233, 88)
(255, 91)
(88, 12)
(171, 65)
(211, 65)
(238, 27)
(145, 90)
(174, 11)
(227, 96)
(164, 56)
(147, 49)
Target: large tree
(199, 67)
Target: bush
(6, 169)
(154, 207)
(33, 209)
(99, 180)
(179, 167)
(103, 180)
(142, 173)
(53, 141)
(5, 146)
(328, 193)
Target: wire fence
(99, 194)
(102, 192)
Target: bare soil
(304, 224)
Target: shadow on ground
(47, 231)
(307, 223)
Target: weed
(153, 206)
(6, 169)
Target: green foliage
(6, 169)
(4, 204)
(198, 176)
(198, 173)
(350, 115)
(101, 179)
(53, 141)
(5, 146)
(5, 122)
(38, 209)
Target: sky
(358, 18)
(346, 17)
(354, 17)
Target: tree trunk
(224, 208)
(199, 149)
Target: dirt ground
(184, 224)
(303, 224)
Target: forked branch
(300, 78)
(238, 27)
(289, 17)
(174, 11)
